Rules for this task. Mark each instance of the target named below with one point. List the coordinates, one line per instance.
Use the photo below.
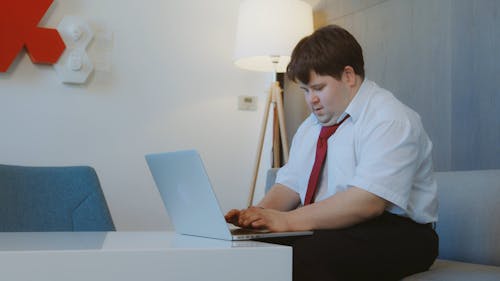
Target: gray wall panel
(476, 83)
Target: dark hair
(327, 52)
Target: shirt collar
(355, 107)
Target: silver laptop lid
(187, 194)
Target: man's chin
(325, 120)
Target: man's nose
(314, 97)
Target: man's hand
(233, 216)
(256, 217)
(271, 212)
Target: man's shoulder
(383, 106)
(379, 97)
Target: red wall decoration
(19, 27)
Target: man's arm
(280, 198)
(341, 210)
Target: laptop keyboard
(246, 231)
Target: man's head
(327, 52)
(329, 68)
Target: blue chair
(52, 199)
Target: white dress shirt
(382, 148)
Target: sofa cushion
(468, 224)
(444, 270)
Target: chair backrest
(52, 199)
(271, 178)
(469, 210)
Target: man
(372, 202)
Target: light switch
(247, 103)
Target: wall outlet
(247, 103)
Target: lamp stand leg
(281, 119)
(276, 145)
(274, 96)
(259, 148)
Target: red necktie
(321, 147)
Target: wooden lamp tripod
(273, 97)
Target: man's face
(326, 97)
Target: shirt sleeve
(388, 161)
(287, 175)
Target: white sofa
(468, 227)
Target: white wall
(172, 86)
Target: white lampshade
(268, 30)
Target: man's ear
(349, 76)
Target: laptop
(191, 202)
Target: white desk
(123, 256)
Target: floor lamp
(267, 32)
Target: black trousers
(388, 247)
